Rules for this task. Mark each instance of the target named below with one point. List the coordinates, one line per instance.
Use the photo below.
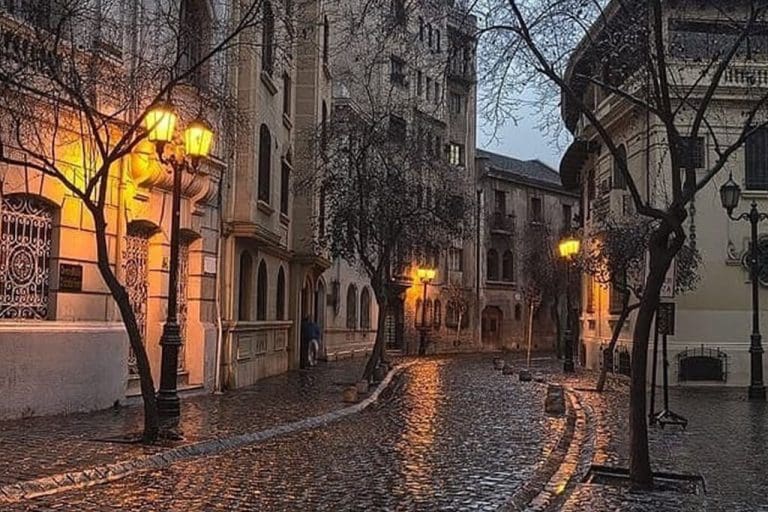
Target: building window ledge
(287, 121)
(284, 219)
(264, 207)
(269, 83)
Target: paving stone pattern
(37, 447)
(450, 434)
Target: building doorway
(491, 325)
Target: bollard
(555, 401)
(525, 376)
(499, 363)
(349, 395)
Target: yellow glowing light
(426, 274)
(160, 122)
(569, 247)
(198, 139)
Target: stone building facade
(713, 321)
(517, 196)
(63, 346)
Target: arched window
(428, 313)
(194, 41)
(280, 306)
(365, 309)
(437, 317)
(417, 318)
(261, 292)
(265, 162)
(268, 39)
(492, 263)
(518, 312)
(437, 40)
(421, 29)
(619, 180)
(507, 266)
(429, 34)
(352, 307)
(245, 287)
(25, 254)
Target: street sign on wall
(665, 318)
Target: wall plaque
(70, 277)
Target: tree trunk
(458, 329)
(639, 458)
(378, 346)
(626, 309)
(120, 295)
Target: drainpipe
(478, 312)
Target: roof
(533, 172)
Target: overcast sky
(522, 140)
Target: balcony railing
(501, 222)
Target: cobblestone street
(451, 434)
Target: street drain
(662, 481)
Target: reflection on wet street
(453, 435)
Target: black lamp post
(426, 275)
(160, 123)
(568, 248)
(730, 194)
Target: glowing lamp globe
(160, 122)
(198, 139)
(569, 247)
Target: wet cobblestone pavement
(725, 443)
(450, 434)
(35, 447)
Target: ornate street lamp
(426, 276)
(730, 193)
(160, 122)
(568, 248)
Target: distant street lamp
(160, 122)
(730, 193)
(426, 276)
(568, 249)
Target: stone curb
(62, 482)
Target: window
(456, 259)
(321, 213)
(615, 299)
(500, 201)
(756, 160)
(245, 287)
(456, 103)
(397, 71)
(268, 39)
(590, 294)
(280, 306)
(287, 95)
(452, 313)
(352, 307)
(437, 93)
(518, 312)
(437, 40)
(427, 314)
(193, 41)
(456, 154)
(492, 262)
(421, 29)
(25, 252)
(429, 88)
(419, 83)
(535, 209)
(285, 187)
(265, 162)
(365, 309)
(418, 314)
(437, 316)
(326, 39)
(397, 128)
(324, 129)
(567, 217)
(429, 35)
(261, 292)
(692, 151)
(438, 143)
(619, 180)
(398, 11)
(507, 267)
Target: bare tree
(571, 49)
(610, 257)
(459, 301)
(74, 99)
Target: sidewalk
(32, 448)
(725, 443)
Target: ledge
(264, 207)
(268, 82)
(287, 121)
(284, 219)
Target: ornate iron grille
(135, 259)
(183, 302)
(701, 364)
(25, 251)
